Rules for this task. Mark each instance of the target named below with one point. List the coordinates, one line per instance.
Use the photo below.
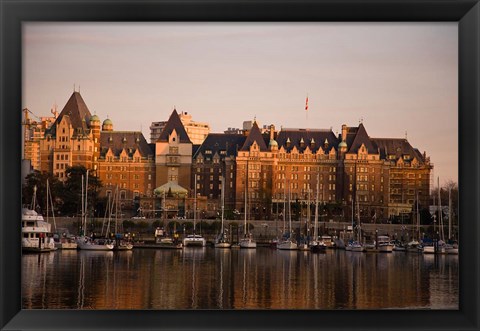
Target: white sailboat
(194, 239)
(247, 240)
(288, 243)
(414, 245)
(61, 240)
(120, 244)
(222, 241)
(84, 242)
(356, 246)
(450, 248)
(317, 245)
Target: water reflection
(207, 278)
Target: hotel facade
(263, 170)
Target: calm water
(208, 278)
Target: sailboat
(162, 240)
(120, 244)
(247, 240)
(35, 231)
(439, 249)
(450, 248)
(288, 243)
(222, 241)
(194, 239)
(88, 243)
(355, 245)
(317, 245)
(414, 245)
(61, 241)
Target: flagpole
(306, 112)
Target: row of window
(62, 157)
(122, 158)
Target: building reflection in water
(207, 278)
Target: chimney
(272, 131)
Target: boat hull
(451, 251)
(66, 245)
(287, 245)
(385, 248)
(222, 245)
(248, 243)
(194, 242)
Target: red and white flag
(306, 104)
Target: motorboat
(384, 245)
(194, 240)
(327, 240)
(36, 233)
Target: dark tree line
(66, 196)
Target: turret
(107, 125)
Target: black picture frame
(466, 13)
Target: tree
(39, 179)
(72, 194)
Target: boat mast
(308, 213)
(34, 200)
(86, 200)
(449, 213)
(163, 210)
(440, 218)
(418, 221)
(195, 205)
(83, 207)
(246, 187)
(223, 199)
(47, 200)
(358, 219)
(116, 210)
(284, 204)
(289, 211)
(50, 200)
(315, 229)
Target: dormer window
(302, 142)
(288, 142)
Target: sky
(400, 79)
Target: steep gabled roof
(77, 111)
(216, 142)
(131, 141)
(174, 123)
(361, 137)
(397, 147)
(255, 135)
(296, 135)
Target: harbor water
(262, 278)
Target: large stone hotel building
(264, 171)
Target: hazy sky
(398, 77)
